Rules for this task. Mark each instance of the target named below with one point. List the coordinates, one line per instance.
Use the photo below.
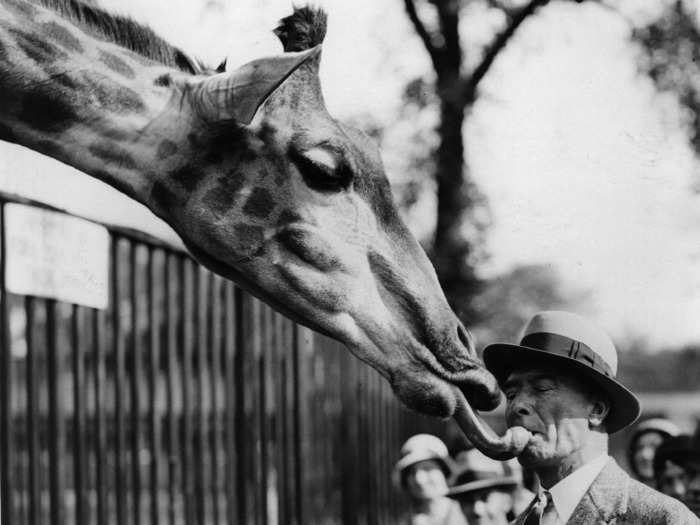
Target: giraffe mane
(125, 32)
(303, 29)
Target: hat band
(567, 347)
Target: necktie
(543, 511)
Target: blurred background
(544, 153)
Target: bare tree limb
(499, 42)
(433, 52)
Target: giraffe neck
(93, 105)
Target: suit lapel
(605, 500)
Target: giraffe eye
(321, 172)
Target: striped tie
(543, 511)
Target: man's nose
(518, 406)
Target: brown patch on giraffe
(50, 148)
(288, 217)
(45, 110)
(36, 49)
(7, 134)
(163, 80)
(166, 149)
(259, 204)
(221, 198)
(164, 197)
(62, 35)
(116, 64)
(112, 96)
(249, 239)
(113, 154)
(120, 185)
(187, 176)
(23, 7)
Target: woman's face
(644, 451)
(425, 480)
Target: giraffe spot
(163, 196)
(259, 204)
(194, 140)
(163, 80)
(23, 7)
(7, 134)
(288, 217)
(116, 64)
(165, 149)
(113, 154)
(267, 132)
(248, 238)
(187, 176)
(36, 49)
(62, 36)
(46, 110)
(120, 185)
(222, 196)
(50, 148)
(112, 96)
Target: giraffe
(263, 186)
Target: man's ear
(598, 412)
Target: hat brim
(465, 488)
(501, 359)
(418, 456)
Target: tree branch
(499, 42)
(433, 52)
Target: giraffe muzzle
(501, 448)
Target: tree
(510, 299)
(437, 24)
(671, 58)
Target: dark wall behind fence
(187, 401)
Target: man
(677, 469)
(560, 384)
(422, 472)
(484, 488)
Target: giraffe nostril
(465, 338)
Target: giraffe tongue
(484, 438)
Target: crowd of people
(560, 384)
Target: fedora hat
(422, 447)
(574, 342)
(476, 471)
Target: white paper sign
(55, 255)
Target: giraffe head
(301, 214)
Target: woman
(422, 473)
(647, 437)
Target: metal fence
(186, 401)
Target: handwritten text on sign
(54, 255)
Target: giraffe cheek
(309, 248)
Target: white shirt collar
(567, 493)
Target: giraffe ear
(238, 95)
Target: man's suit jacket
(616, 499)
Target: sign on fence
(50, 254)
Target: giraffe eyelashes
(321, 170)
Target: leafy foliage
(671, 45)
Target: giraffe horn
(238, 95)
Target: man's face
(672, 480)
(554, 407)
(692, 476)
(425, 480)
(486, 507)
